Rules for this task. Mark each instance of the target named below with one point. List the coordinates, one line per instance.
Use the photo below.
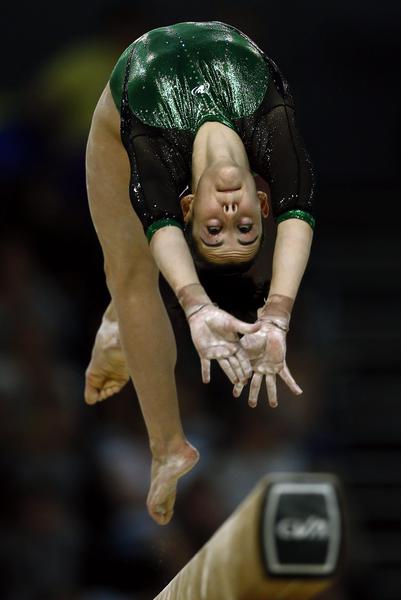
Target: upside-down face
(226, 213)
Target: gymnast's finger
(228, 370)
(237, 368)
(271, 390)
(256, 382)
(245, 363)
(242, 327)
(289, 380)
(205, 367)
(237, 389)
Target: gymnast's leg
(146, 334)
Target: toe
(91, 394)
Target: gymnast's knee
(137, 277)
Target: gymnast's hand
(215, 336)
(266, 349)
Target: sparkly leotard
(172, 80)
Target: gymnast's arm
(290, 175)
(282, 160)
(291, 255)
(214, 331)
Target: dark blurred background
(73, 524)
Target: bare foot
(107, 372)
(165, 473)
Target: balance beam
(283, 542)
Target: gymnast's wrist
(192, 298)
(277, 307)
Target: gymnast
(191, 112)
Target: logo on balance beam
(301, 528)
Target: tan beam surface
(230, 565)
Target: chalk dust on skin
(164, 476)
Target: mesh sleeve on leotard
(281, 158)
(158, 176)
(278, 154)
(159, 170)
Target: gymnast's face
(226, 213)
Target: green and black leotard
(173, 79)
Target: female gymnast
(190, 113)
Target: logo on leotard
(201, 89)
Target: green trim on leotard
(151, 230)
(297, 214)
